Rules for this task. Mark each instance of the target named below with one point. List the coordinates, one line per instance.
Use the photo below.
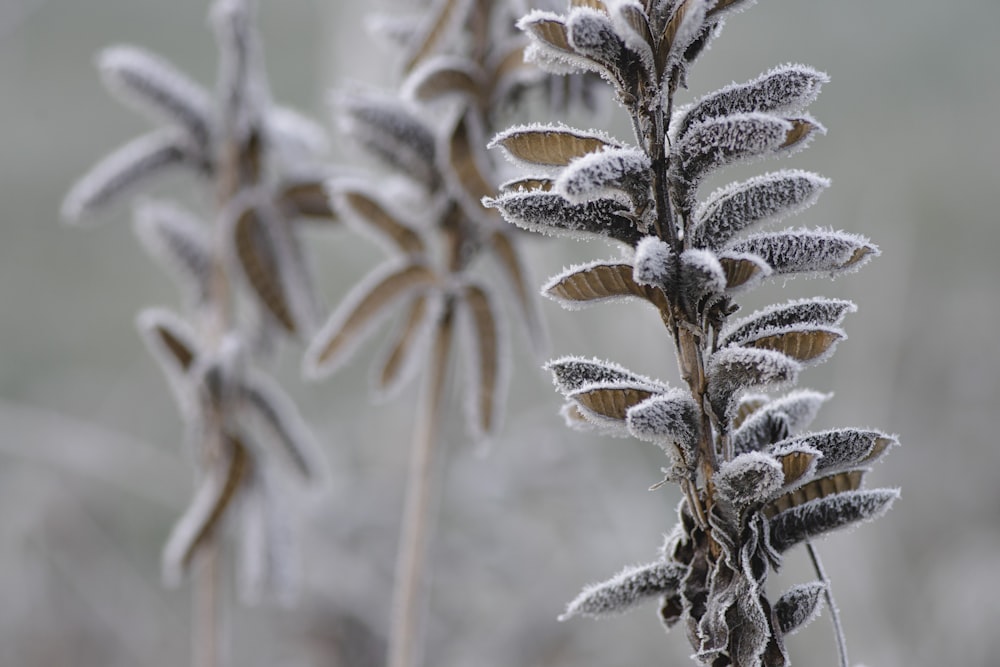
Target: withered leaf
(847, 448)
(549, 213)
(167, 333)
(181, 243)
(485, 390)
(401, 349)
(682, 27)
(797, 464)
(816, 517)
(260, 266)
(503, 249)
(203, 515)
(548, 29)
(815, 311)
(593, 4)
(626, 589)
(445, 75)
(805, 251)
(733, 370)
(573, 373)
(796, 608)
(600, 281)
(269, 415)
(370, 213)
(125, 168)
(145, 80)
(743, 270)
(463, 147)
(748, 405)
(436, 30)
(366, 303)
(817, 488)
(307, 198)
(807, 345)
(610, 401)
(527, 184)
(549, 145)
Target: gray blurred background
(91, 471)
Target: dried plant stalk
(754, 483)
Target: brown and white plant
(755, 482)
(244, 281)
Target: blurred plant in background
(464, 69)
(244, 280)
(754, 484)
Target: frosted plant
(464, 64)
(755, 481)
(244, 280)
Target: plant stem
(205, 644)
(828, 595)
(405, 638)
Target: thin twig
(828, 594)
(405, 640)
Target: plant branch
(406, 633)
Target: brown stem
(208, 637)
(405, 638)
(206, 640)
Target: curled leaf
(366, 304)
(612, 173)
(393, 133)
(137, 161)
(181, 243)
(206, 510)
(463, 152)
(487, 361)
(549, 213)
(598, 282)
(629, 587)
(733, 370)
(749, 479)
(151, 84)
(823, 515)
(847, 448)
(784, 89)
(269, 415)
(655, 264)
(305, 197)
(670, 420)
(815, 311)
(573, 373)
(515, 273)
(743, 270)
(400, 362)
(549, 145)
(259, 261)
(610, 400)
(809, 345)
(718, 142)
(370, 216)
(807, 251)
(798, 607)
(766, 198)
(790, 414)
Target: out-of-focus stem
(408, 605)
(206, 635)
